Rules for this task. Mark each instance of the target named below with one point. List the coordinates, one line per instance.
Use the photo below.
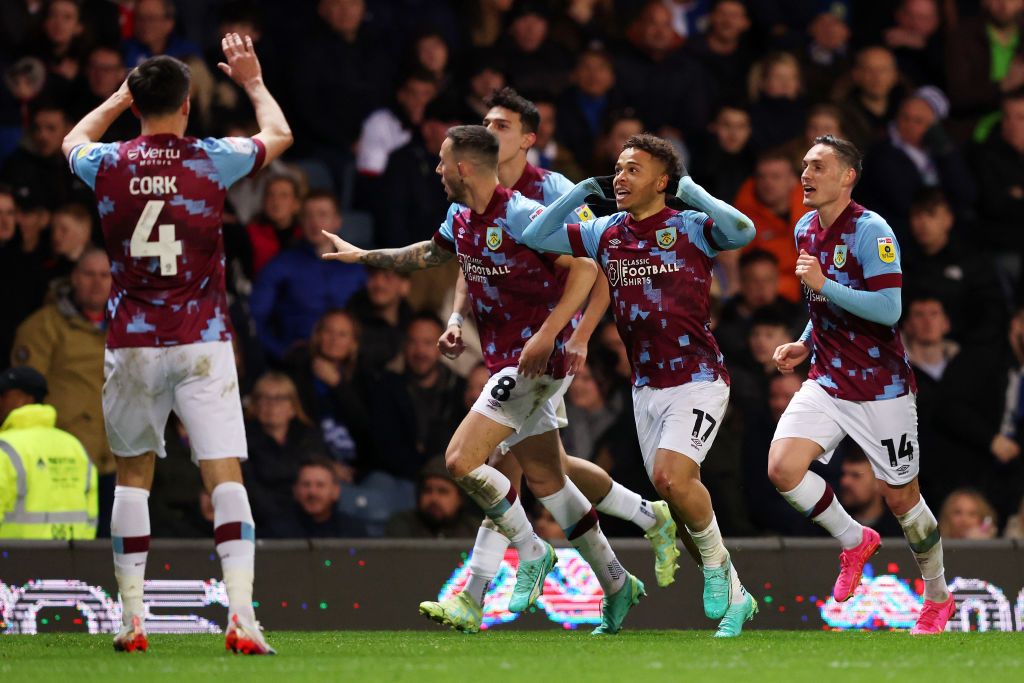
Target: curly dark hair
(508, 98)
(660, 149)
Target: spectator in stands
(71, 234)
(177, 498)
(619, 127)
(276, 227)
(759, 288)
(229, 105)
(998, 166)
(874, 97)
(773, 198)
(917, 42)
(332, 388)
(280, 437)
(827, 56)
(541, 65)
(587, 22)
(547, 152)
(779, 107)
(1015, 524)
(349, 68)
(486, 75)
(388, 128)
(484, 22)
(24, 267)
(859, 494)
(654, 63)
(589, 410)
(822, 119)
(314, 512)
(61, 40)
(383, 311)
(752, 371)
(296, 287)
(64, 341)
(411, 215)
(8, 225)
(726, 158)
(441, 510)
(42, 468)
(967, 515)
(38, 168)
(153, 22)
(916, 153)
(425, 399)
(104, 73)
(476, 379)
(984, 61)
(583, 106)
(964, 280)
(724, 49)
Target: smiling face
(639, 179)
(825, 178)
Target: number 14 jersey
(161, 203)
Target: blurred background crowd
(350, 405)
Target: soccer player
(658, 263)
(514, 121)
(524, 313)
(161, 198)
(860, 383)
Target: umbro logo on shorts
(697, 443)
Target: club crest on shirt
(666, 237)
(886, 249)
(839, 256)
(493, 238)
(584, 213)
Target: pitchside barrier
(338, 584)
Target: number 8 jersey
(161, 204)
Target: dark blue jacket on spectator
(294, 290)
(135, 52)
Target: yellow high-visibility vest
(48, 485)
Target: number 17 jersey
(161, 204)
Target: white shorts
(885, 430)
(529, 405)
(197, 381)
(684, 419)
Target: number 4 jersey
(161, 203)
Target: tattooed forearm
(417, 256)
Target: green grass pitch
(527, 657)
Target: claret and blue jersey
(852, 358)
(161, 202)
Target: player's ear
(662, 182)
(186, 106)
(529, 140)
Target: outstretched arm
(426, 254)
(243, 67)
(732, 229)
(92, 127)
(547, 232)
(582, 274)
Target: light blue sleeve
(547, 230)
(805, 336)
(447, 228)
(555, 185)
(234, 158)
(590, 234)
(883, 307)
(877, 250)
(696, 226)
(86, 159)
(731, 230)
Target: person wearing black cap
(47, 482)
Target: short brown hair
(476, 141)
(76, 212)
(322, 194)
(845, 151)
(660, 149)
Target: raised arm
(425, 254)
(547, 231)
(732, 229)
(94, 124)
(243, 67)
(582, 275)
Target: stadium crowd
(349, 401)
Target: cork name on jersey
(631, 272)
(161, 184)
(475, 270)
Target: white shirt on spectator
(382, 134)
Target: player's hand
(788, 356)
(243, 67)
(1004, 448)
(326, 371)
(576, 352)
(535, 355)
(450, 343)
(343, 251)
(595, 187)
(808, 269)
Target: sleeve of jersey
(585, 238)
(879, 254)
(728, 228)
(444, 236)
(85, 160)
(235, 158)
